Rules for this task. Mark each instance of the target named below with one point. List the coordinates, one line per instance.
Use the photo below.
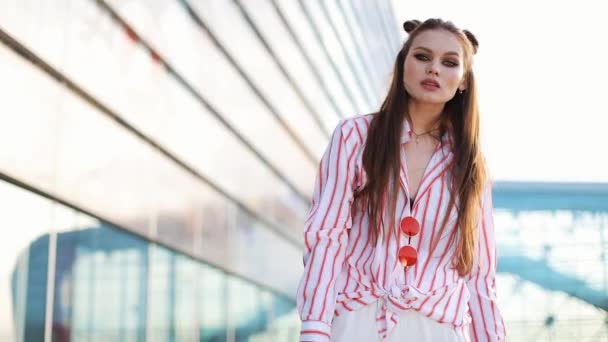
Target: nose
(432, 69)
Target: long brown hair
(381, 156)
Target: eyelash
(423, 57)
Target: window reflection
(213, 304)
(100, 274)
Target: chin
(430, 99)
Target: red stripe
(424, 302)
(331, 278)
(407, 178)
(483, 318)
(427, 174)
(346, 306)
(428, 187)
(344, 190)
(311, 263)
(368, 121)
(445, 309)
(348, 136)
(360, 231)
(314, 332)
(436, 303)
(385, 280)
(367, 262)
(348, 257)
(489, 261)
(335, 185)
(315, 205)
(404, 272)
(474, 330)
(314, 295)
(396, 303)
(405, 186)
(383, 207)
(459, 302)
(360, 301)
(358, 132)
(452, 236)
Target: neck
(424, 116)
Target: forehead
(439, 41)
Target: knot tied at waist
(390, 302)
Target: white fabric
(360, 325)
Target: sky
(542, 75)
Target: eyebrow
(429, 50)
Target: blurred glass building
(158, 157)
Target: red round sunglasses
(408, 254)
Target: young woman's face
(433, 67)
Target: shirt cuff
(315, 331)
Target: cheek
(411, 68)
(410, 73)
(453, 78)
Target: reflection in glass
(213, 305)
(100, 285)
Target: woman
(400, 238)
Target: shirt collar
(406, 131)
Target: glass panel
(161, 322)
(283, 322)
(245, 316)
(295, 16)
(80, 155)
(100, 285)
(214, 304)
(187, 297)
(269, 23)
(160, 110)
(286, 319)
(23, 263)
(84, 165)
(367, 74)
(339, 56)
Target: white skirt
(360, 325)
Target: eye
(450, 63)
(421, 57)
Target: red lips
(430, 82)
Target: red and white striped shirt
(344, 271)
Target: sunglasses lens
(410, 226)
(407, 256)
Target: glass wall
(110, 285)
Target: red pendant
(410, 226)
(407, 256)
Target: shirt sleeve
(488, 324)
(325, 236)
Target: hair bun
(472, 39)
(411, 25)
